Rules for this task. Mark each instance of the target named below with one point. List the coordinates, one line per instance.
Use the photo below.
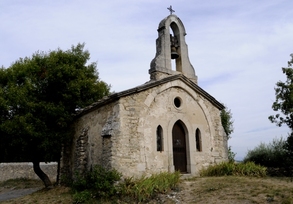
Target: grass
(60, 195)
(146, 188)
(43, 196)
(235, 169)
(231, 189)
(20, 183)
(225, 189)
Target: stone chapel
(166, 124)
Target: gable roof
(148, 85)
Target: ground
(226, 190)
(222, 190)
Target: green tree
(38, 99)
(284, 99)
(284, 105)
(227, 123)
(272, 154)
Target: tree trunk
(41, 174)
(58, 172)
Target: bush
(96, 183)
(231, 155)
(272, 154)
(147, 187)
(82, 196)
(234, 169)
(289, 149)
(100, 184)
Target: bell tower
(171, 46)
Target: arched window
(160, 139)
(198, 140)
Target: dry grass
(233, 189)
(19, 183)
(229, 189)
(52, 196)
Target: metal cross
(171, 10)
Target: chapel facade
(166, 124)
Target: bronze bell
(174, 54)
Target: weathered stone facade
(167, 124)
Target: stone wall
(91, 141)
(25, 170)
(143, 112)
(122, 133)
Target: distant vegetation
(279, 153)
(272, 154)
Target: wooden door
(179, 148)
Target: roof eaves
(148, 85)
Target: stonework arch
(161, 64)
(180, 85)
(187, 126)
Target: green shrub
(82, 196)
(272, 154)
(147, 187)
(234, 169)
(100, 184)
(231, 155)
(96, 183)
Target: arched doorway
(179, 147)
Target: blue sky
(236, 47)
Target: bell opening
(174, 54)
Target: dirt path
(7, 194)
